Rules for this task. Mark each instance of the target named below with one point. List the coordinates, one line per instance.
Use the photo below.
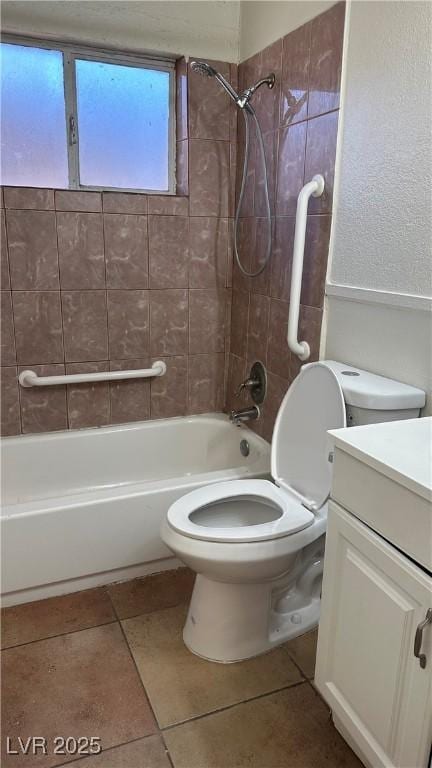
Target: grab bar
(314, 188)
(31, 379)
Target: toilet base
(229, 622)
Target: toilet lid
(300, 447)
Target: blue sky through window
(123, 121)
(33, 120)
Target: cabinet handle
(419, 638)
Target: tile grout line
(234, 704)
(147, 697)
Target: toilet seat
(289, 514)
(300, 467)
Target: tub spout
(244, 414)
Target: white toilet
(257, 546)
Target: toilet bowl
(257, 546)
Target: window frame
(70, 53)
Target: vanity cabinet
(377, 592)
(374, 599)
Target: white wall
(381, 263)
(264, 21)
(207, 29)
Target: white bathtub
(84, 508)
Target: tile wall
(93, 282)
(299, 119)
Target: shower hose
(249, 114)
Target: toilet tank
(370, 399)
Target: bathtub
(84, 508)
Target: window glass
(33, 120)
(123, 126)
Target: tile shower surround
(95, 281)
(299, 119)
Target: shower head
(203, 68)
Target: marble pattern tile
(4, 259)
(291, 728)
(239, 323)
(182, 167)
(236, 375)
(149, 752)
(168, 205)
(246, 234)
(169, 393)
(315, 260)
(126, 250)
(208, 252)
(266, 100)
(88, 404)
(271, 150)
(209, 105)
(75, 200)
(320, 158)
(262, 232)
(169, 322)
(85, 325)
(181, 685)
(7, 335)
(152, 593)
(206, 383)
(28, 622)
(128, 324)
(302, 650)
(38, 327)
(327, 31)
(43, 409)
(257, 334)
(81, 250)
(206, 320)
(29, 198)
(290, 171)
(168, 251)
(295, 75)
(82, 682)
(278, 353)
(124, 202)
(10, 419)
(280, 283)
(277, 388)
(209, 177)
(32, 248)
(130, 400)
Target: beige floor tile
(289, 729)
(303, 651)
(55, 616)
(81, 684)
(145, 753)
(181, 685)
(152, 593)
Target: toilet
(257, 545)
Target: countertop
(401, 450)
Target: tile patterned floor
(110, 662)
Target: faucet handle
(246, 384)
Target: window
(79, 119)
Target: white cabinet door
(373, 600)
